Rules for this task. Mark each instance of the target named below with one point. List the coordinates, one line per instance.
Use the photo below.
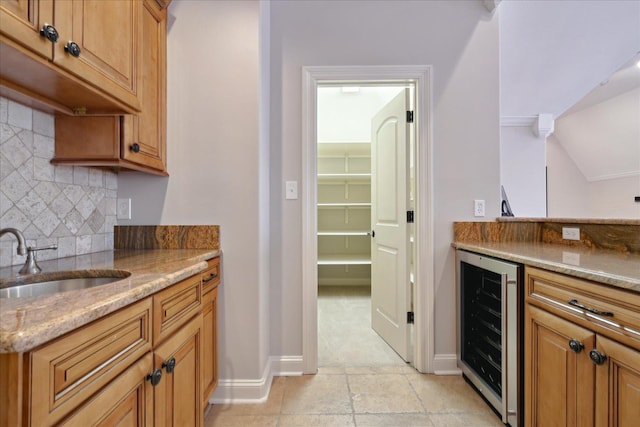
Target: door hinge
(409, 116)
(410, 317)
(410, 217)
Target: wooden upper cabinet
(107, 36)
(92, 67)
(148, 128)
(131, 142)
(21, 21)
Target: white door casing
(390, 297)
(424, 267)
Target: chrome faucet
(22, 244)
(30, 265)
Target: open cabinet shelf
(352, 177)
(344, 213)
(344, 260)
(344, 233)
(345, 205)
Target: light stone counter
(26, 323)
(613, 268)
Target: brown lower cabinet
(210, 282)
(143, 365)
(582, 353)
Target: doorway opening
(412, 85)
(365, 138)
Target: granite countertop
(613, 268)
(26, 323)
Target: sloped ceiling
(552, 53)
(604, 139)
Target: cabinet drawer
(127, 400)
(174, 306)
(609, 311)
(211, 276)
(69, 370)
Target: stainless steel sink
(51, 283)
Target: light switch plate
(291, 190)
(123, 209)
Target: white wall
(522, 170)
(214, 144)
(568, 195)
(604, 139)
(614, 198)
(571, 195)
(217, 165)
(460, 40)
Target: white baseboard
(257, 391)
(244, 391)
(286, 366)
(446, 364)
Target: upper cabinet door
(21, 21)
(147, 129)
(100, 43)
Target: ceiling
(552, 53)
(576, 61)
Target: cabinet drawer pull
(72, 48)
(135, 147)
(155, 377)
(50, 32)
(210, 278)
(169, 365)
(575, 303)
(576, 346)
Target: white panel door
(390, 297)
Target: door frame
(424, 266)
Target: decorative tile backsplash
(71, 206)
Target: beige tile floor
(360, 382)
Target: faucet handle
(42, 248)
(30, 265)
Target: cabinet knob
(597, 357)
(155, 377)
(169, 365)
(373, 233)
(135, 147)
(50, 32)
(72, 49)
(576, 346)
